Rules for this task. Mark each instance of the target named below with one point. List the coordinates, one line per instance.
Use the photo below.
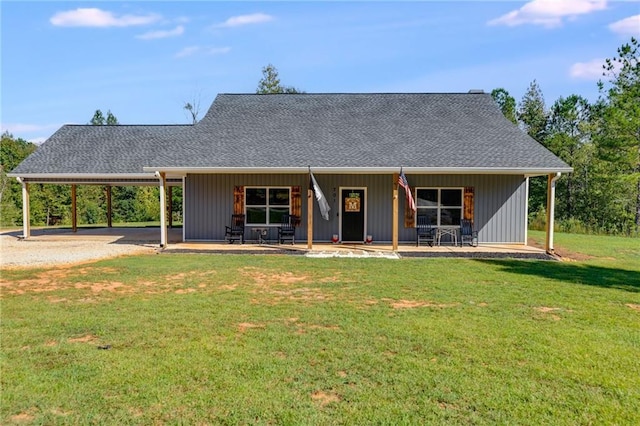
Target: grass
(240, 339)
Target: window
(265, 206)
(443, 206)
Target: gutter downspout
(551, 204)
(163, 210)
(26, 220)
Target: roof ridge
(355, 93)
(126, 125)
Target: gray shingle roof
(451, 131)
(86, 149)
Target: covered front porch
(148, 237)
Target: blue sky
(144, 59)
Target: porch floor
(151, 236)
(364, 250)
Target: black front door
(353, 204)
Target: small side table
(262, 234)
(452, 232)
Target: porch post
(526, 211)
(26, 218)
(74, 209)
(163, 210)
(170, 205)
(109, 211)
(551, 203)
(309, 218)
(394, 230)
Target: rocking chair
(287, 229)
(236, 230)
(425, 233)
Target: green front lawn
(269, 339)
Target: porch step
(353, 254)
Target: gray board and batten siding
(499, 210)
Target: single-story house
(252, 154)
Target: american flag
(402, 181)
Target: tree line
(600, 140)
(51, 204)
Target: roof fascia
(93, 178)
(359, 170)
(83, 175)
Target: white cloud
(93, 17)
(39, 140)
(153, 35)
(17, 128)
(591, 70)
(548, 13)
(236, 21)
(200, 50)
(22, 130)
(187, 51)
(627, 26)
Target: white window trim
(440, 206)
(267, 206)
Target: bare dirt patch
(562, 253)
(546, 309)
(228, 287)
(262, 278)
(325, 398)
(54, 279)
(185, 290)
(65, 277)
(244, 326)
(412, 304)
(550, 312)
(23, 418)
(89, 338)
(633, 306)
(189, 275)
(279, 285)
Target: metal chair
(467, 233)
(425, 233)
(236, 230)
(287, 228)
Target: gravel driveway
(55, 247)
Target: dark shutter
(238, 200)
(468, 202)
(409, 215)
(296, 201)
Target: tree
(532, 114)
(99, 119)
(111, 119)
(619, 138)
(270, 82)
(506, 102)
(568, 134)
(92, 199)
(12, 152)
(532, 118)
(193, 109)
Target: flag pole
(310, 213)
